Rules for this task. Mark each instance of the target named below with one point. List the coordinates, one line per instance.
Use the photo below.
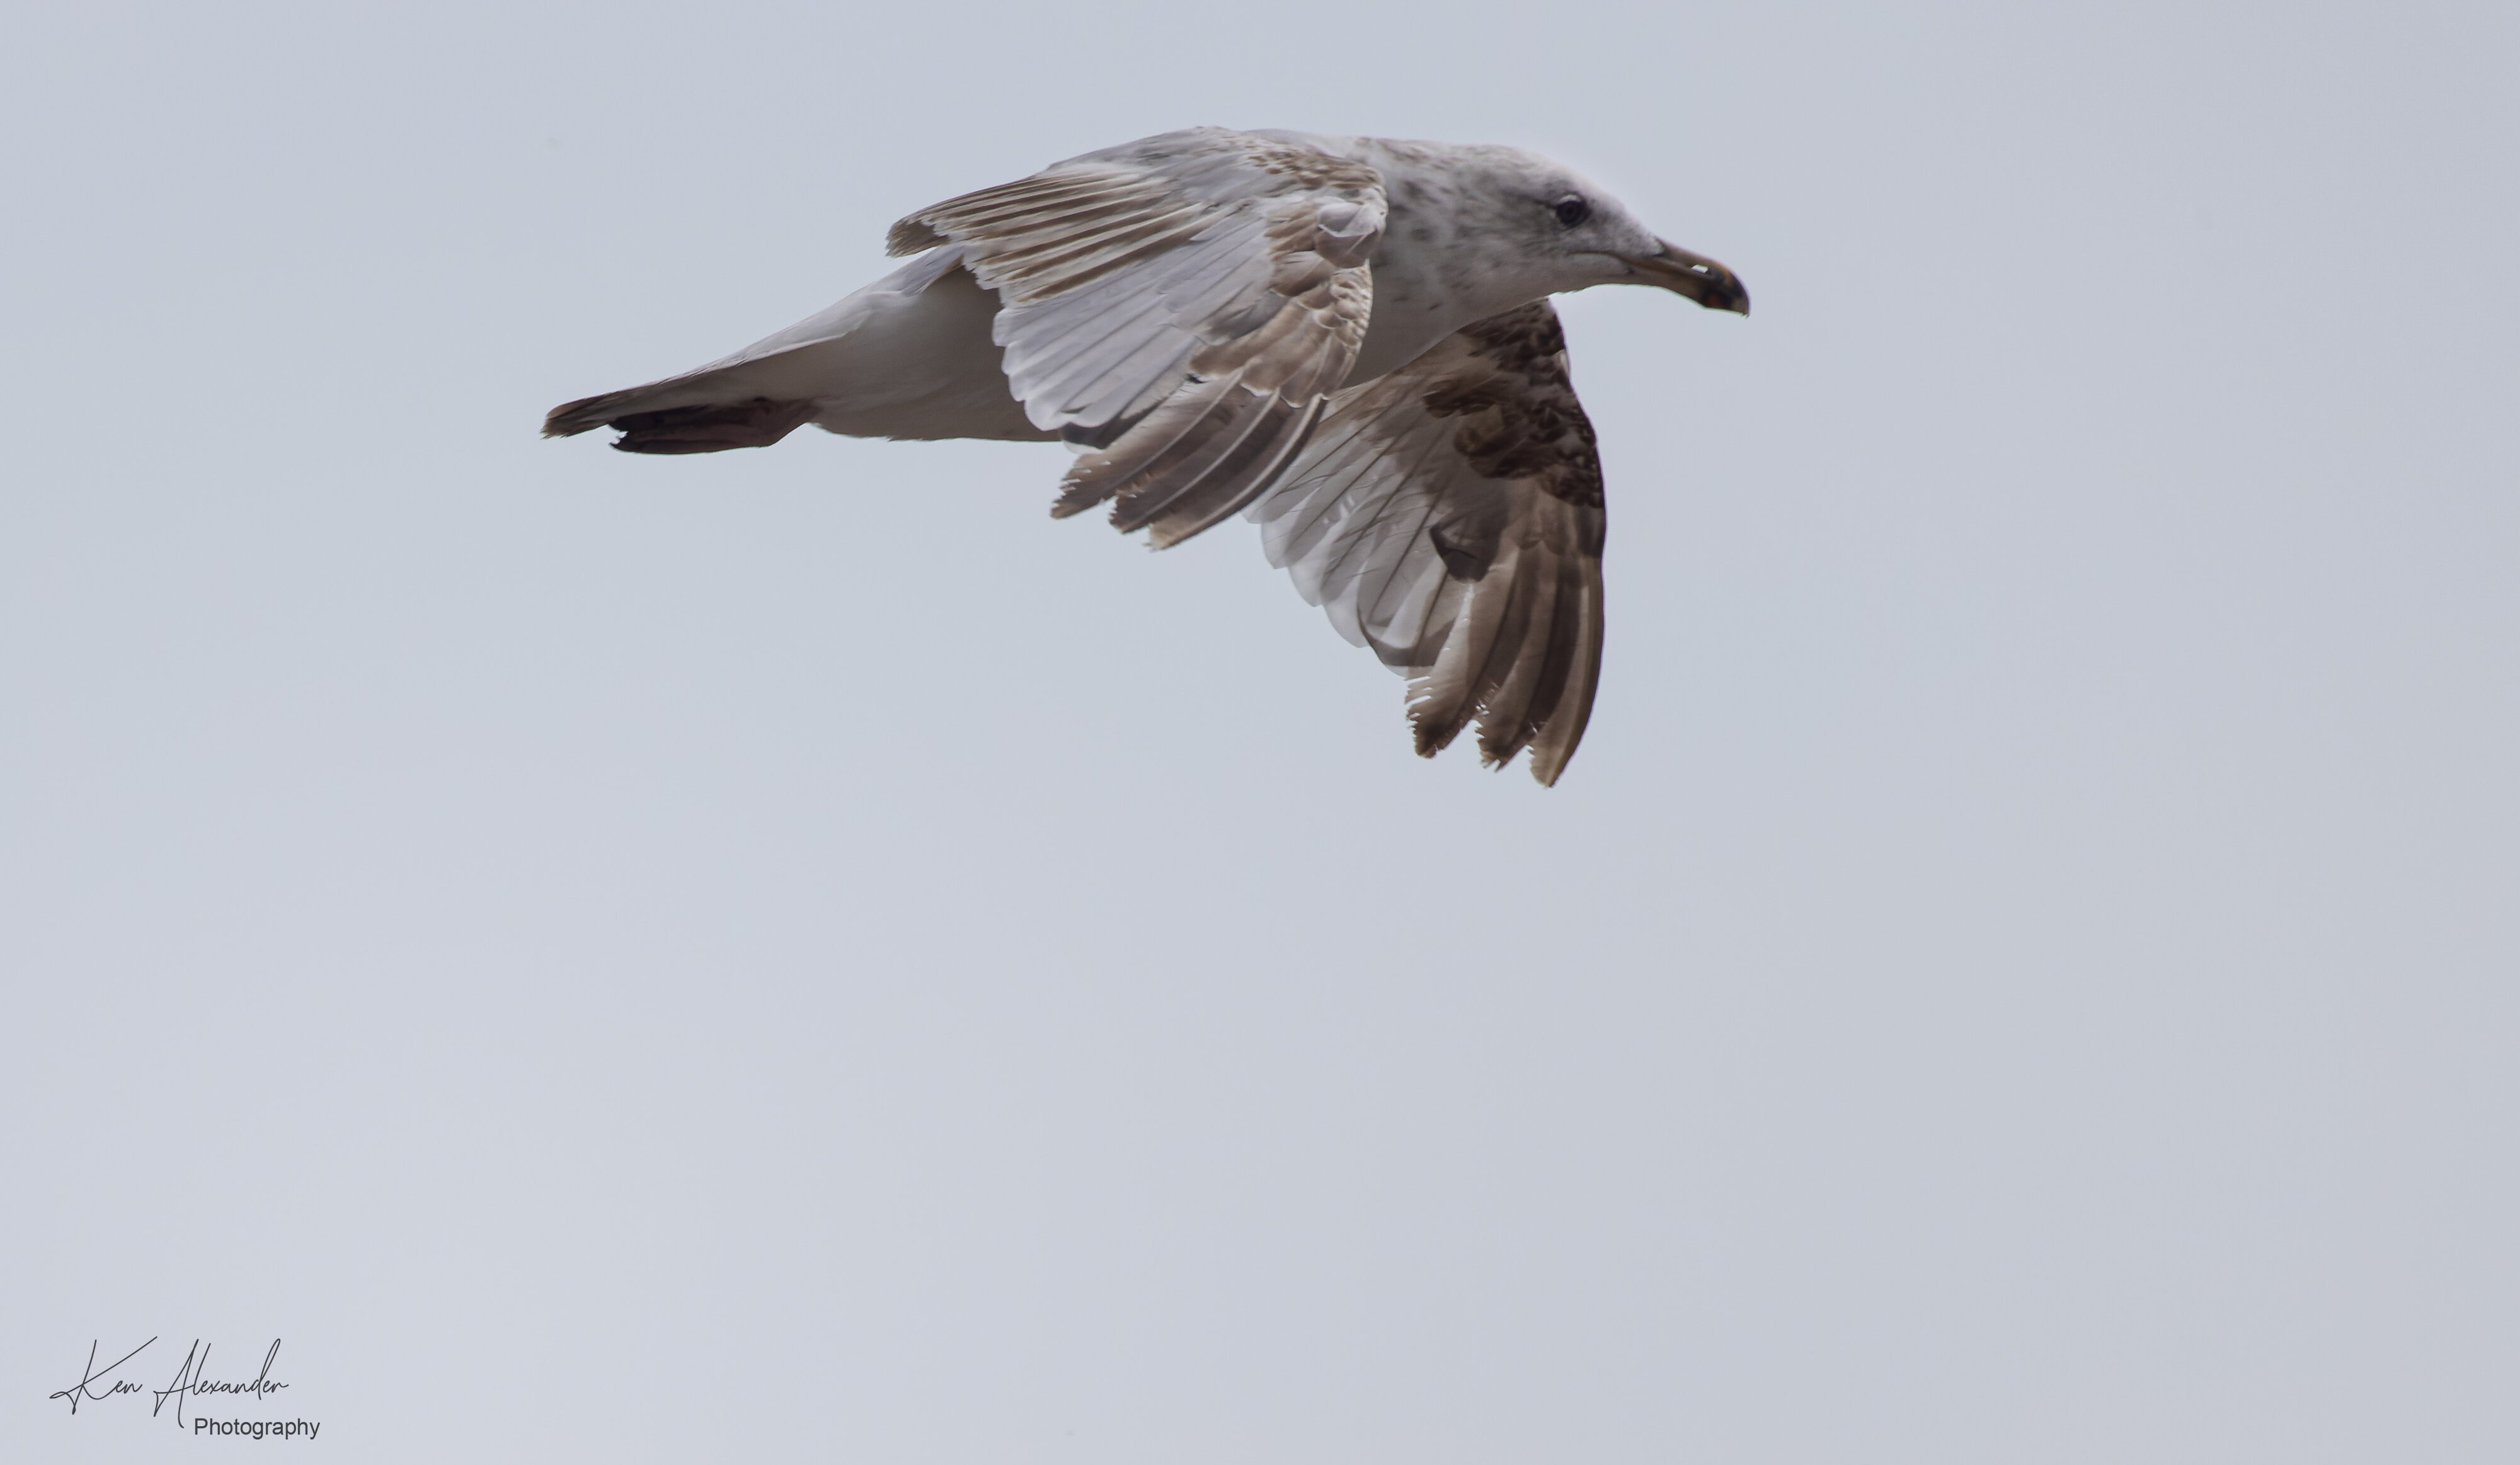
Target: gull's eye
(1571, 210)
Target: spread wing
(1449, 515)
(1181, 306)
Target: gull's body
(1345, 337)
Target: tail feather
(708, 427)
(909, 356)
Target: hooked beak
(1695, 276)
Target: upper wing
(1449, 515)
(1182, 305)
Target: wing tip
(586, 414)
(912, 235)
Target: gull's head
(1569, 234)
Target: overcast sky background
(798, 955)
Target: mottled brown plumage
(1524, 418)
(1449, 515)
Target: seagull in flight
(1346, 340)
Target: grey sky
(798, 955)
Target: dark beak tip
(1727, 296)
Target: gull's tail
(690, 428)
(909, 356)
